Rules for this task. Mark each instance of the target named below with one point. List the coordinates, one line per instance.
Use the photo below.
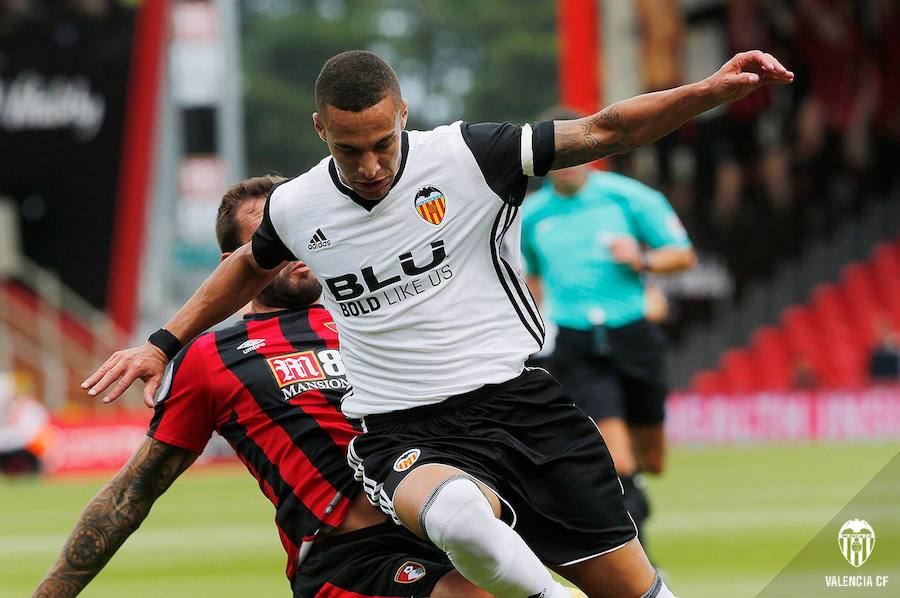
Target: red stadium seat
(770, 351)
(833, 333)
(740, 371)
(708, 382)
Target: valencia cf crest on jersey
(431, 204)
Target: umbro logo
(251, 345)
(318, 240)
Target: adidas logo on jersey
(318, 240)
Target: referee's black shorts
(628, 383)
(382, 560)
(524, 439)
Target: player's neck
(260, 308)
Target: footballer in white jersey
(462, 444)
(416, 283)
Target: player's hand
(146, 362)
(745, 73)
(625, 250)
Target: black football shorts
(525, 440)
(382, 560)
(629, 383)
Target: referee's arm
(236, 281)
(643, 119)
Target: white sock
(459, 520)
(658, 589)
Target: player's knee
(456, 519)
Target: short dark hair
(355, 80)
(228, 230)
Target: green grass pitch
(726, 521)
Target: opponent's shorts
(628, 383)
(382, 560)
(525, 440)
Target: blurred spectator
(662, 41)
(802, 159)
(803, 375)
(884, 360)
(24, 430)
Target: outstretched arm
(637, 121)
(118, 509)
(236, 281)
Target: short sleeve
(268, 248)
(659, 224)
(656, 223)
(508, 154)
(184, 413)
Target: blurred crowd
(24, 428)
(755, 181)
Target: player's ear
(224, 256)
(404, 113)
(317, 123)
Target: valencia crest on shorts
(431, 204)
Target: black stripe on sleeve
(268, 248)
(543, 145)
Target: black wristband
(645, 262)
(166, 342)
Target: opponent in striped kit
(271, 386)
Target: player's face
(295, 286)
(568, 181)
(366, 144)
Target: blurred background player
(271, 386)
(24, 429)
(588, 239)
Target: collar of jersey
(368, 204)
(281, 312)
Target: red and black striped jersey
(271, 385)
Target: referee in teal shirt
(587, 237)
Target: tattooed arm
(631, 123)
(111, 516)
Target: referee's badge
(430, 204)
(409, 572)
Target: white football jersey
(425, 305)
